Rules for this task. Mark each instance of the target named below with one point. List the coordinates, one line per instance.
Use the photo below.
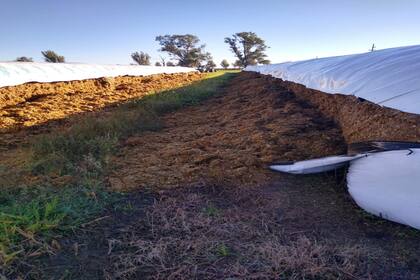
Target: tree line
(186, 50)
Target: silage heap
(16, 73)
(384, 183)
(34, 108)
(388, 77)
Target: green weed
(223, 250)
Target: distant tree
(141, 58)
(248, 48)
(163, 59)
(51, 56)
(170, 63)
(373, 48)
(225, 64)
(158, 64)
(210, 65)
(237, 64)
(24, 59)
(184, 49)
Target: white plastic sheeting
(318, 165)
(15, 73)
(389, 77)
(387, 184)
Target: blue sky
(107, 31)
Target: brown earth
(27, 108)
(303, 227)
(232, 138)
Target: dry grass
(209, 234)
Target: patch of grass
(211, 211)
(124, 207)
(229, 71)
(62, 153)
(31, 217)
(222, 250)
(171, 100)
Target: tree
(237, 64)
(158, 64)
(24, 59)
(184, 49)
(141, 58)
(225, 64)
(373, 48)
(170, 63)
(51, 56)
(248, 48)
(163, 59)
(210, 65)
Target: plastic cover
(387, 184)
(387, 77)
(15, 73)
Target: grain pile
(36, 103)
(359, 119)
(37, 108)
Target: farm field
(189, 140)
(165, 177)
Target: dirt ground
(232, 138)
(296, 228)
(200, 202)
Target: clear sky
(107, 31)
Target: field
(165, 177)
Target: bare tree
(141, 58)
(163, 59)
(373, 48)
